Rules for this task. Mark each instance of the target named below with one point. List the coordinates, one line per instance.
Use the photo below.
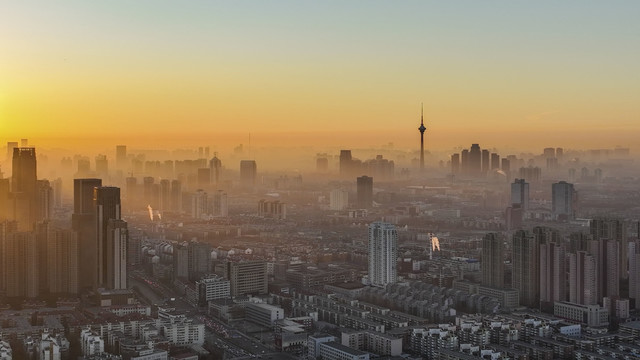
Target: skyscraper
(117, 236)
(455, 163)
(62, 263)
(495, 161)
(383, 243)
(520, 193)
(563, 198)
(552, 273)
(215, 165)
(634, 272)
(475, 160)
(614, 229)
(526, 272)
(492, 260)
(121, 157)
(582, 278)
(422, 129)
(107, 200)
(248, 173)
(364, 192)
(83, 222)
(24, 187)
(486, 162)
(345, 163)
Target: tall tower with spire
(422, 129)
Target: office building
(215, 166)
(590, 315)
(109, 234)
(212, 288)
(383, 257)
(520, 193)
(337, 351)
(83, 222)
(563, 197)
(264, 314)
(24, 188)
(364, 192)
(116, 264)
(248, 173)
(247, 277)
(493, 260)
(313, 345)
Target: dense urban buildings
(396, 272)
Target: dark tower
(83, 221)
(107, 207)
(422, 129)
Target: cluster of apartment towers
(35, 258)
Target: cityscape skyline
(225, 180)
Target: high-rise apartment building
(62, 262)
(486, 161)
(520, 193)
(582, 278)
(552, 273)
(383, 256)
(563, 200)
(634, 272)
(338, 199)
(614, 229)
(493, 260)
(364, 192)
(526, 272)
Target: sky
(499, 73)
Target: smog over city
(319, 180)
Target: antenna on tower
(422, 113)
